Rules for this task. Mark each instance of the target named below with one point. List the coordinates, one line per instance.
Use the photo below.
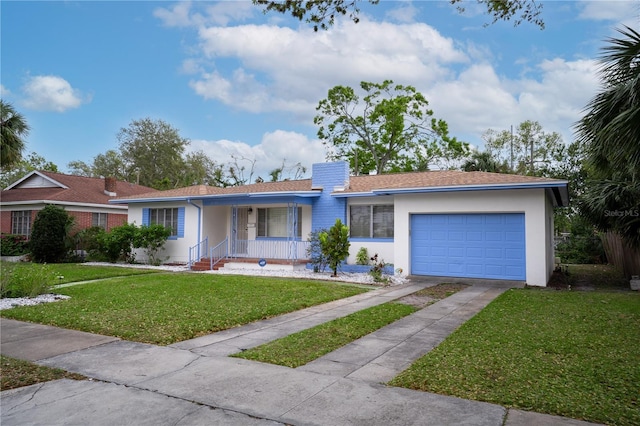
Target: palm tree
(483, 162)
(13, 128)
(610, 132)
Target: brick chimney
(110, 186)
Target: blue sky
(237, 82)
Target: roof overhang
(558, 190)
(61, 203)
(301, 197)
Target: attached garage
(469, 245)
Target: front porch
(249, 254)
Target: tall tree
(152, 151)
(529, 150)
(27, 165)
(322, 13)
(610, 133)
(200, 169)
(13, 129)
(110, 163)
(390, 129)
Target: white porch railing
(270, 249)
(198, 251)
(219, 252)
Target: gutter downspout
(199, 219)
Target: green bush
(151, 238)
(582, 246)
(335, 245)
(50, 235)
(117, 244)
(89, 240)
(25, 280)
(362, 257)
(13, 245)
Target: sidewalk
(194, 382)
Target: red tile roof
(80, 189)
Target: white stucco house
(439, 223)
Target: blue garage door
(468, 245)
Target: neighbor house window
(21, 222)
(165, 217)
(274, 221)
(371, 221)
(99, 219)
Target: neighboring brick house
(86, 199)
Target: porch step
(204, 265)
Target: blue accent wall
(326, 209)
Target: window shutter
(180, 222)
(145, 216)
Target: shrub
(117, 244)
(314, 251)
(362, 257)
(335, 245)
(377, 270)
(49, 237)
(583, 245)
(89, 240)
(152, 239)
(13, 245)
(25, 280)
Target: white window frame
(99, 220)
(21, 222)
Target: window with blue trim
(371, 221)
(273, 222)
(172, 218)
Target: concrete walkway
(194, 382)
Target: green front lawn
(165, 308)
(62, 273)
(574, 354)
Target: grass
(17, 373)
(574, 354)
(165, 308)
(305, 346)
(599, 276)
(73, 272)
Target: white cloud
(179, 15)
(406, 12)
(274, 148)
(51, 93)
(271, 68)
(285, 69)
(4, 91)
(220, 13)
(479, 99)
(610, 10)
